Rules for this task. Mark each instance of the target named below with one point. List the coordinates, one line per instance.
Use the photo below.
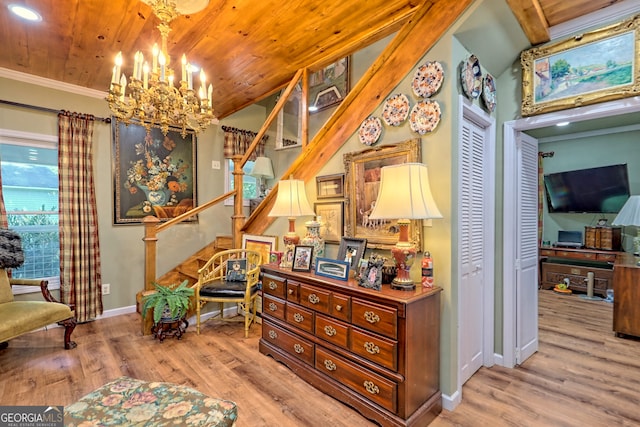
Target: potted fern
(168, 302)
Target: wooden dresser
(626, 296)
(376, 351)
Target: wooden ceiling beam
(531, 17)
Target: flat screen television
(595, 190)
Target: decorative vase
(313, 239)
(155, 197)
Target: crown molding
(599, 18)
(51, 84)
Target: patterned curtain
(80, 277)
(237, 142)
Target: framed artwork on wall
(362, 181)
(329, 86)
(265, 245)
(598, 66)
(332, 222)
(153, 174)
(330, 186)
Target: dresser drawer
(379, 350)
(606, 257)
(274, 285)
(294, 345)
(293, 291)
(315, 298)
(300, 317)
(332, 331)
(273, 307)
(340, 307)
(382, 320)
(370, 385)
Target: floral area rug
(131, 402)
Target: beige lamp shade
(291, 200)
(405, 193)
(262, 168)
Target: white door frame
(474, 113)
(509, 197)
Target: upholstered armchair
(230, 276)
(20, 317)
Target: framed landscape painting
(594, 67)
(153, 174)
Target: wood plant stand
(169, 328)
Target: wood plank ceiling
(248, 48)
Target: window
(29, 167)
(250, 190)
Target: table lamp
(291, 202)
(404, 195)
(262, 169)
(630, 215)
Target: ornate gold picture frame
(598, 66)
(362, 179)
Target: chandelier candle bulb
(162, 62)
(123, 85)
(145, 73)
(189, 77)
(210, 93)
(118, 65)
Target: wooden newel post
(238, 217)
(150, 239)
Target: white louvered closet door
(472, 181)
(527, 249)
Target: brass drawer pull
(290, 291)
(273, 306)
(273, 334)
(298, 317)
(330, 330)
(330, 365)
(371, 348)
(273, 285)
(298, 348)
(371, 387)
(371, 317)
(338, 307)
(313, 299)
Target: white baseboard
(451, 402)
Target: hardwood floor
(581, 376)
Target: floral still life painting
(154, 173)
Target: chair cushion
(19, 317)
(226, 289)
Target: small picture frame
(302, 258)
(351, 250)
(330, 186)
(275, 257)
(332, 268)
(237, 270)
(371, 278)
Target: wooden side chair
(230, 276)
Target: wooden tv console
(556, 264)
(376, 351)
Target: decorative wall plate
(427, 79)
(471, 77)
(424, 117)
(370, 130)
(396, 109)
(489, 92)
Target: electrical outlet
(106, 289)
(215, 164)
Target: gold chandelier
(151, 95)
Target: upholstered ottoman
(128, 401)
